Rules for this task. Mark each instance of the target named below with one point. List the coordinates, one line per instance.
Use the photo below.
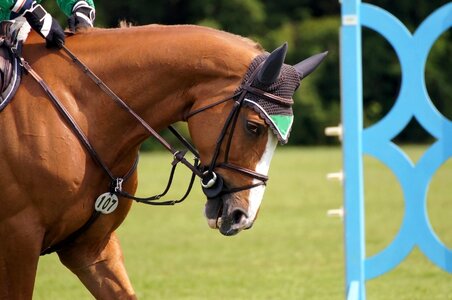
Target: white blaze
(262, 167)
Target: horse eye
(254, 128)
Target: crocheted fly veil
(278, 115)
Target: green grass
(294, 251)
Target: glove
(83, 15)
(43, 23)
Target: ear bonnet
(278, 115)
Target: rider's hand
(43, 23)
(83, 15)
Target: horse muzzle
(229, 220)
(219, 211)
(224, 210)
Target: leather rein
(212, 183)
(116, 182)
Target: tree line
(309, 26)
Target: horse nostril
(239, 217)
(234, 222)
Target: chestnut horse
(49, 181)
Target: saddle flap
(10, 75)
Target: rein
(212, 184)
(116, 182)
(179, 156)
(208, 178)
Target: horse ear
(307, 66)
(272, 66)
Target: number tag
(106, 203)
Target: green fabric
(283, 124)
(7, 4)
(65, 5)
(5, 8)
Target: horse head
(246, 130)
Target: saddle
(10, 68)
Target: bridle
(212, 183)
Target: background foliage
(310, 26)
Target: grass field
(294, 251)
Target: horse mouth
(229, 224)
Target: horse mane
(246, 40)
(125, 25)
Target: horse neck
(159, 71)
